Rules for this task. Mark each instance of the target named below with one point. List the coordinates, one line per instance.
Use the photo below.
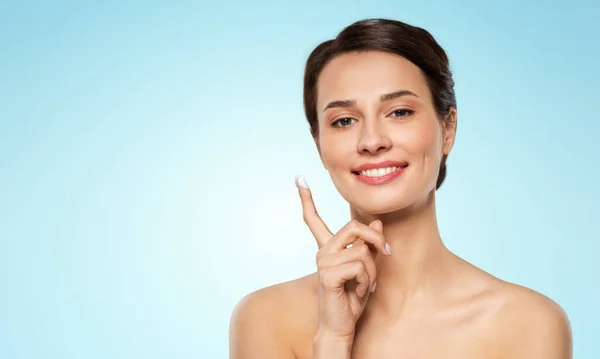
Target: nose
(374, 138)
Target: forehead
(366, 75)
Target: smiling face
(374, 107)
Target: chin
(377, 208)
(377, 202)
(375, 205)
(378, 205)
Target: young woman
(380, 103)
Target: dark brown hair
(413, 43)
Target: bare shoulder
(533, 325)
(519, 322)
(270, 322)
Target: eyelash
(407, 111)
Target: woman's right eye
(344, 122)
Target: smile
(377, 176)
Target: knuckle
(325, 277)
(364, 250)
(349, 227)
(321, 263)
(359, 266)
(321, 254)
(306, 218)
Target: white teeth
(378, 172)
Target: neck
(419, 264)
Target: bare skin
(503, 321)
(428, 302)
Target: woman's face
(374, 107)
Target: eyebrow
(382, 98)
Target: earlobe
(449, 131)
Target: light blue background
(148, 152)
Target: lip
(380, 179)
(384, 164)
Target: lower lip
(380, 180)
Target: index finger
(309, 212)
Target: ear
(449, 131)
(316, 139)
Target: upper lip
(384, 164)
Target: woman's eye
(403, 112)
(344, 122)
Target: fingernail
(388, 248)
(300, 181)
(374, 286)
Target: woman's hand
(346, 275)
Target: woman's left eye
(403, 112)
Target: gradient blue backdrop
(148, 153)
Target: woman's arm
(326, 346)
(256, 329)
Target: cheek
(424, 141)
(335, 152)
(424, 148)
